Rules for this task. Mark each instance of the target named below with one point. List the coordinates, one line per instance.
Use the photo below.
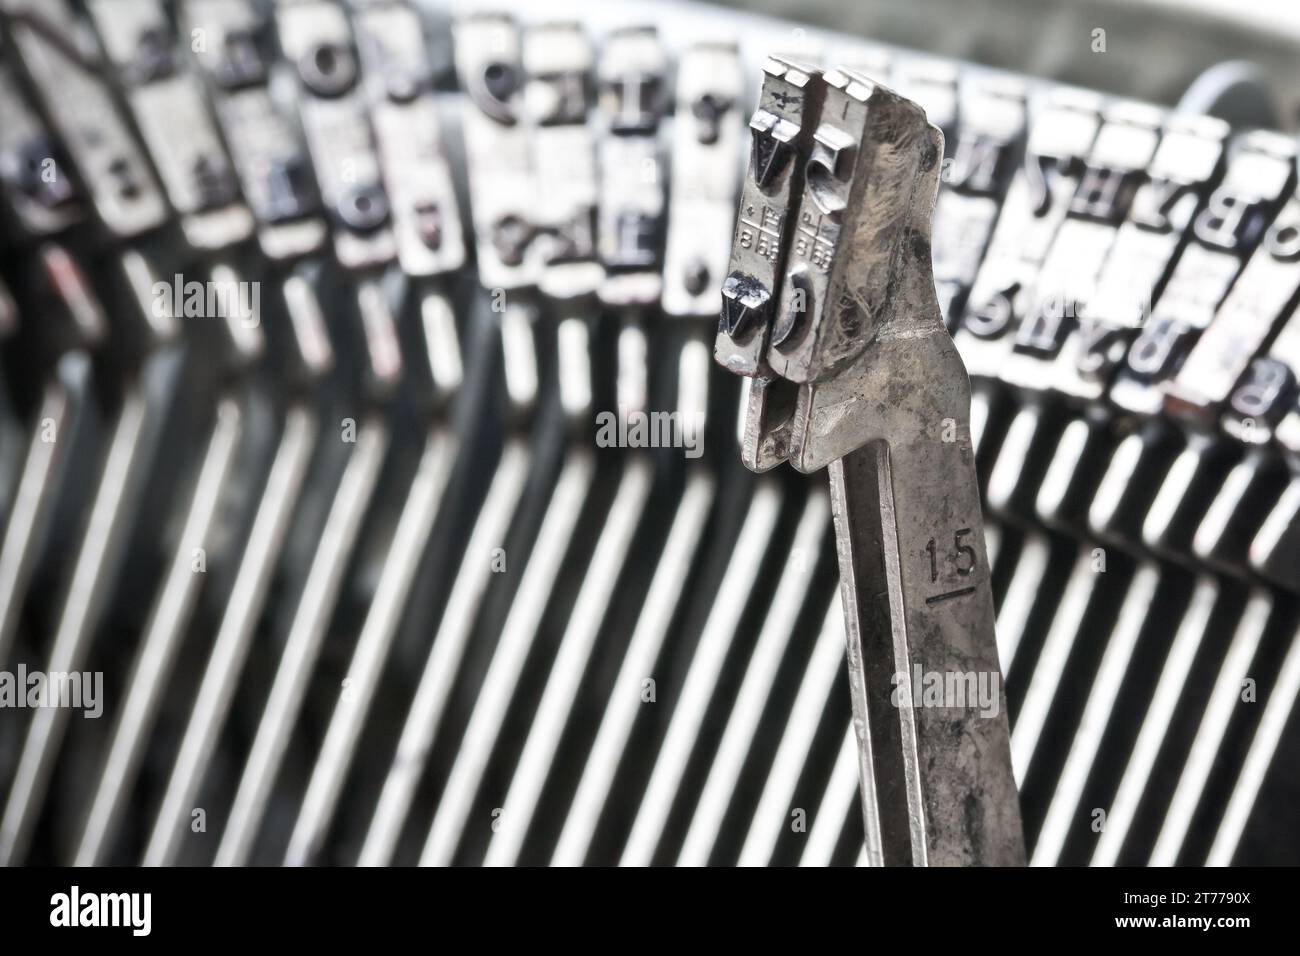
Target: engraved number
(963, 550)
(963, 559)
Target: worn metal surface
(884, 400)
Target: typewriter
(369, 493)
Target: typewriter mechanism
(391, 406)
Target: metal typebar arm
(841, 304)
(937, 781)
